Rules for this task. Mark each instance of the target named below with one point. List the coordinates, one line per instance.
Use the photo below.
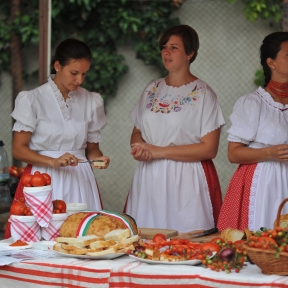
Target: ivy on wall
(102, 25)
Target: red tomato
(47, 178)
(158, 238)
(239, 243)
(26, 180)
(266, 240)
(38, 180)
(210, 246)
(59, 205)
(217, 240)
(13, 171)
(17, 208)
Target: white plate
(148, 261)
(5, 246)
(102, 257)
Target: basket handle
(277, 221)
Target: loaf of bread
(230, 234)
(98, 223)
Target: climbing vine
(103, 25)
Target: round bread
(100, 226)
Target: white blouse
(57, 125)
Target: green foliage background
(102, 25)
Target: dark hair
(270, 47)
(188, 35)
(71, 49)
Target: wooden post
(285, 15)
(44, 40)
(16, 60)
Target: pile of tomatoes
(20, 208)
(36, 180)
(59, 206)
(275, 239)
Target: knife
(205, 232)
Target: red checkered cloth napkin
(22, 231)
(52, 231)
(41, 206)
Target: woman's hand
(279, 152)
(141, 152)
(66, 159)
(105, 159)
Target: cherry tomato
(217, 240)
(158, 238)
(38, 180)
(47, 178)
(26, 180)
(210, 246)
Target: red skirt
(235, 208)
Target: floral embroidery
(167, 103)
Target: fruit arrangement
(59, 206)
(36, 180)
(229, 255)
(274, 239)
(20, 208)
(218, 254)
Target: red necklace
(278, 89)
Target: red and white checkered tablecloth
(127, 273)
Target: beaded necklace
(278, 89)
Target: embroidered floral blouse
(169, 115)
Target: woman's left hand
(105, 159)
(141, 152)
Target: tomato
(217, 240)
(59, 205)
(47, 178)
(26, 180)
(238, 243)
(266, 240)
(158, 238)
(13, 171)
(210, 246)
(38, 180)
(17, 208)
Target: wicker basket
(265, 259)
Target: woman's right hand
(66, 159)
(279, 152)
(140, 152)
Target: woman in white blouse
(258, 141)
(177, 128)
(59, 123)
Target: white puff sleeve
(24, 113)
(245, 119)
(212, 115)
(139, 108)
(98, 118)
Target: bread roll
(100, 226)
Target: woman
(58, 124)
(176, 134)
(258, 140)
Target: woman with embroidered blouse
(258, 139)
(177, 128)
(58, 124)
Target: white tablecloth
(126, 272)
